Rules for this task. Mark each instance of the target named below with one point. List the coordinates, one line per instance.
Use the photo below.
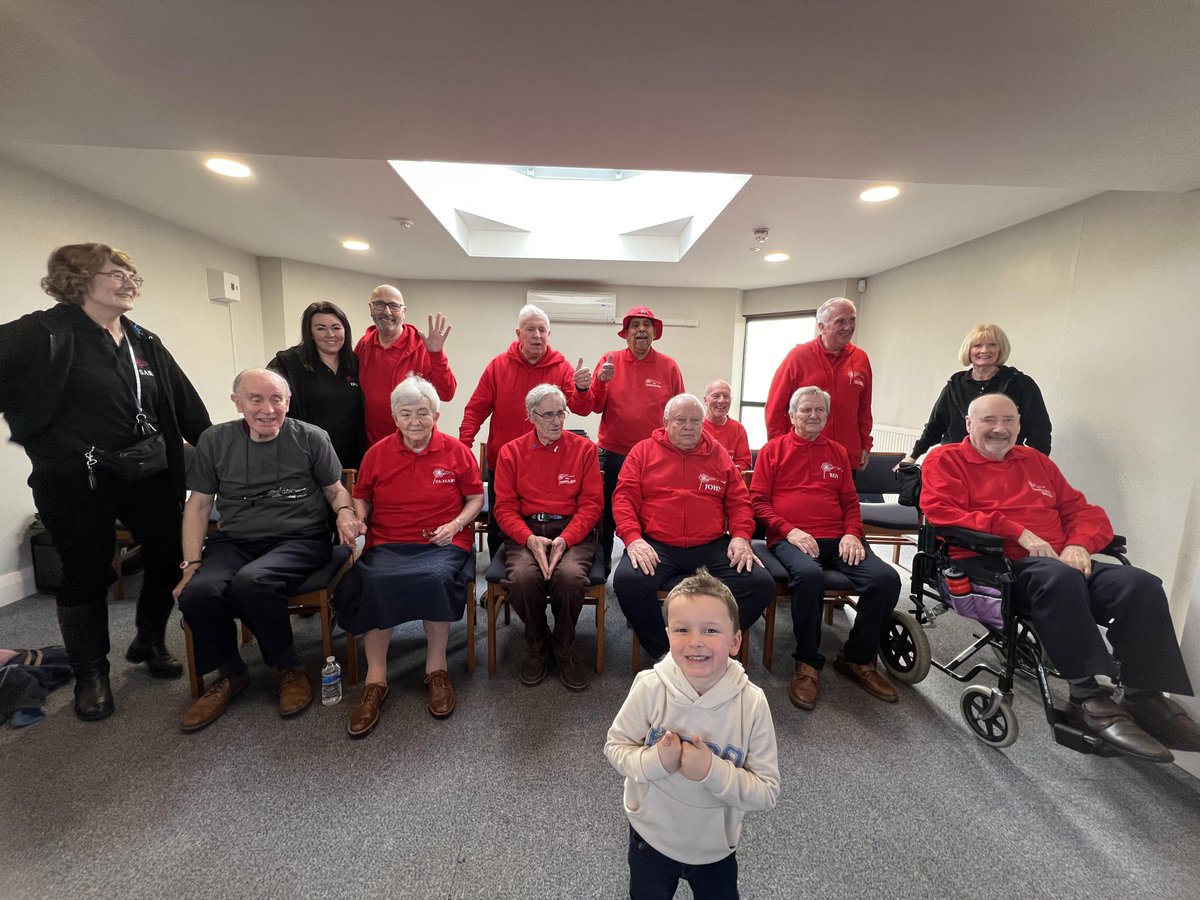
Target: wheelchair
(1008, 636)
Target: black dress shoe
(1165, 720)
(1102, 717)
(154, 653)
(93, 695)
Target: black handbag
(908, 477)
(141, 460)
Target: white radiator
(893, 438)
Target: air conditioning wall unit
(576, 306)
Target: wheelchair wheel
(904, 649)
(998, 729)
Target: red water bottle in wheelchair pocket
(957, 582)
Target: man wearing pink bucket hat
(630, 391)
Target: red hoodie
(806, 485)
(501, 394)
(680, 499)
(632, 404)
(732, 436)
(962, 487)
(846, 377)
(380, 369)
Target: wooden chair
(497, 597)
(126, 549)
(312, 596)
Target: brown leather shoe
(572, 673)
(805, 686)
(365, 715)
(295, 692)
(1111, 723)
(207, 708)
(533, 667)
(1166, 721)
(868, 678)
(441, 695)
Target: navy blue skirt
(396, 583)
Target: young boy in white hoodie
(696, 744)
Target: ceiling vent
(575, 306)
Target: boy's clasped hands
(688, 755)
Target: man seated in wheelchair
(988, 483)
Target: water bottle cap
(329, 659)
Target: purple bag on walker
(983, 603)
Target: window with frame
(768, 340)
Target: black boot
(152, 650)
(85, 634)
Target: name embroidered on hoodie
(829, 470)
(735, 755)
(711, 484)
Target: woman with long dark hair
(322, 372)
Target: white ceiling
(987, 114)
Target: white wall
(483, 318)
(1099, 300)
(209, 340)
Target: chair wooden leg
(768, 657)
(326, 628)
(600, 612)
(896, 553)
(195, 680)
(830, 603)
(493, 602)
(744, 650)
(471, 626)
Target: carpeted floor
(512, 796)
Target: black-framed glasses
(554, 415)
(117, 275)
(381, 305)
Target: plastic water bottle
(331, 683)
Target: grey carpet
(512, 796)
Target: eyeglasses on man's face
(123, 277)
(387, 306)
(552, 416)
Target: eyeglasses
(552, 416)
(381, 305)
(117, 275)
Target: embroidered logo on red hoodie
(829, 470)
(443, 476)
(711, 483)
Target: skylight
(547, 212)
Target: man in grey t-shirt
(274, 480)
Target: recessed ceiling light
(227, 167)
(879, 194)
(356, 245)
(776, 257)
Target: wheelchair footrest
(1076, 739)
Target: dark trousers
(637, 592)
(610, 471)
(248, 579)
(82, 522)
(1065, 607)
(653, 876)
(878, 588)
(528, 589)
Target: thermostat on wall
(223, 287)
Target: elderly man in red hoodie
(631, 390)
(677, 491)
(390, 351)
(503, 386)
(988, 483)
(802, 491)
(837, 367)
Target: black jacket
(947, 421)
(36, 353)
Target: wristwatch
(189, 562)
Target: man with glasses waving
(548, 500)
(391, 350)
